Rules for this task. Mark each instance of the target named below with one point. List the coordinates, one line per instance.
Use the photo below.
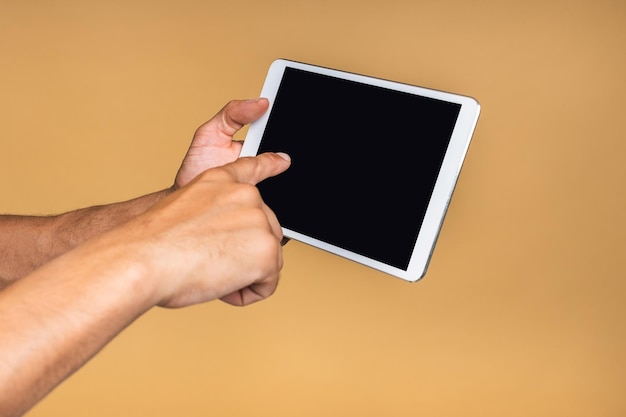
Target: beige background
(522, 311)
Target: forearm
(213, 239)
(28, 242)
(57, 318)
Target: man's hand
(215, 237)
(212, 239)
(213, 145)
(26, 243)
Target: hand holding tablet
(374, 162)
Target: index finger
(254, 169)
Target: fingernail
(284, 156)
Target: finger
(251, 294)
(266, 286)
(274, 224)
(254, 169)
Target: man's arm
(214, 238)
(28, 242)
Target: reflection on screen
(364, 162)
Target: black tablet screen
(364, 162)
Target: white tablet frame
(445, 183)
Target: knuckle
(272, 264)
(247, 193)
(214, 175)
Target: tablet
(374, 162)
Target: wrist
(119, 266)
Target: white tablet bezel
(444, 185)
